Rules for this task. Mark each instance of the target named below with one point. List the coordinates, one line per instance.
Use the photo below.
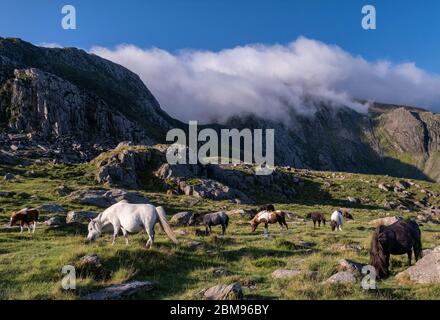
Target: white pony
(337, 220)
(130, 218)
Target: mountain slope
(72, 105)
(399, 141)
(52, 91)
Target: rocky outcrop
(103, 198)
(124, 165)
(181, 218)
(425, 271)
(74, 100)
(344, 277)
(224, 292)
(119, 291)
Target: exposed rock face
(224, 292)
(68, 105)
(123, 166)
(342, 277)
(119, 291)
(52, 208)
(80, 216)
(181, 218)
(426, 270)
(103, 198)
(285, 273)
(90, 266)
(69, 96)
(399, 141)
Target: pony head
(333, 225)
(13, 220)
(377, 253)
(254, 224)
(95, 230)
(194, 219)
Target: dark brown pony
(25, 217)
(269, 217)
(347, 215)
(316, 217)
(402, 237)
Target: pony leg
(125, 235)
(34, 227)
(340, 228)
(21, 228)
(150, 241)
(29, 228)
(115, 234)
(266, 229)
(409, 258)
(223, 229)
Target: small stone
(285, 273)
(342, 277)
(224, 292)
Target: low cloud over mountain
(265, 80)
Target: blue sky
(406, 30)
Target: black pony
(401, 237)
(211, 219)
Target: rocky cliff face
(399, 141)
(67, 94)
(70, 105)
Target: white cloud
(49, 45)
(266, 80)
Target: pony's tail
(164, 224)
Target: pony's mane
(377, 254)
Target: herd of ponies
(401, 237)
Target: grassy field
(30, 265)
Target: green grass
(30, 265)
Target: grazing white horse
(337, 220)
(130, 218)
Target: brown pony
(25, 217)
(316, 217)
(269, 217)
(402, 237)
(347, 215)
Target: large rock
(124, 165)
(52, 208)
(211, 189)
(119, 291)
(224, 292)
(55, 222)
(350, 266)
(105, 198)
(9, 177)
(384, 221)
(68, 96)
(342, 277)
(285, 273)
(425, 271)
(181, 218)
(80, 216)
(90, 266)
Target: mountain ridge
(75, 105)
